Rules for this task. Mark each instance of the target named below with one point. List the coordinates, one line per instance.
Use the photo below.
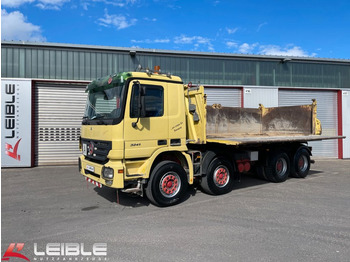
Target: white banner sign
(16, 123)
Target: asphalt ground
(298, 220)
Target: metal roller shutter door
(230, 97)
(59, 109)
(326, 113)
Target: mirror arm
(134, 124)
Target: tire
(219, 178)
(278, 167)
(301, 163)
(167, 184)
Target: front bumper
(93, 171)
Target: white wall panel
(253, 96)
(346, 123)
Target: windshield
(104, 104)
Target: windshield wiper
(99, 116)
(96, 117)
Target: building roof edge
(174, 52)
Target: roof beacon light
(157, 69)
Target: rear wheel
(219, 178)
(167, 184)
(301, 163)
(278, 167)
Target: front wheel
(167, 184)
(219, 178)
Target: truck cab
(132, 122)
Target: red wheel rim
(221, 176)
(170, 184)
(302, 163)
(281, 166)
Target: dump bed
(248, 126)
(238, 126)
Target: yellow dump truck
(147, 132)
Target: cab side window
(154, 100)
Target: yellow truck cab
(148, 132)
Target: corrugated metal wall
(87, 63)
(326, 113)
(230, 97)
(59, 109)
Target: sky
(311, 28)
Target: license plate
(84, 149)
(90, 168)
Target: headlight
(107, 173)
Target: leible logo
(12, 151)
(10, 253)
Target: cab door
(152, 129)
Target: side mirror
(142, 105)
(141, 108)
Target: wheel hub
(302, 163)
(281, 166)
(170, 184)
(221, 176)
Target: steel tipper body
(147, 132)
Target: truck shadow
(253, 180)
(124, 199)
(134, 201)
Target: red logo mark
(12, 152)
(9, 252)
(91, 148)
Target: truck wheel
(301, 163)
(167, 184)
(278, 167)
(219, 178)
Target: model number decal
(136, 144)
(177, 127)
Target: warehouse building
(43, 91)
